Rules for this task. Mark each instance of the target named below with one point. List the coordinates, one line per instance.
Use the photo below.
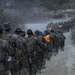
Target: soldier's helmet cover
(52, 30)
(29, 31)
(46, 32)
(6, 26)
(37, 32)
(18, 30)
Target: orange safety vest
(47, 38)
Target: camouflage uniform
(33, 52)
(5, 57)
(53, 41)
(8, 36)
(41, 50)
(25, 59)
(62, 41)
(33, 49)
(20, 55)
(49, 50)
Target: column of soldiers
(27, 56)
(66, 26)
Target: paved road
(63, 63)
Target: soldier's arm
(6, 50)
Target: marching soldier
(33, 44)
(5, 58)
(19, 51)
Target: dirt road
(64, 62)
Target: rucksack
(42, 42)
(17, 44)
(8, 38)
(32, 44)
(62, 37)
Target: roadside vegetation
(14, 21)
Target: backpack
(17, 44)
(42, 42)
(32, 44)
(62, 37)
(4, 53)
(8, 38)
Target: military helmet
(7, 26)
(40, 32)
(29, 31)
(43, 34)
(46, 32)
(52, 30)
(37, 32)
(18, 30)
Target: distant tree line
(14, 21)
(49, 4)
(53, 4)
